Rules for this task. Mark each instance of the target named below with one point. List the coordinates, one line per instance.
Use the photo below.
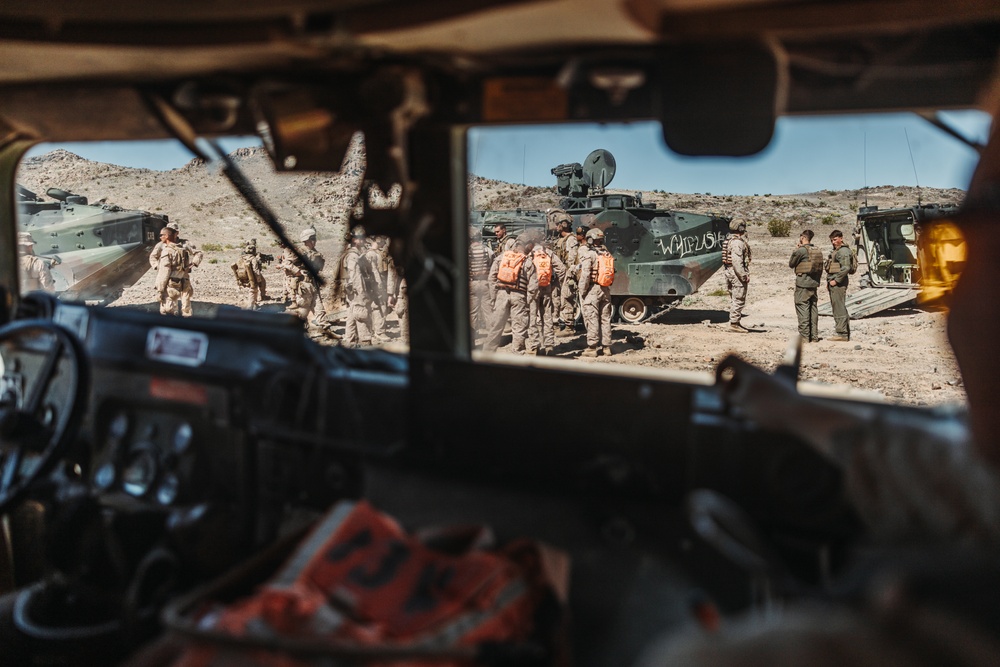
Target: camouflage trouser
(303, 299)
(541, 331)
(357, 330)
(737, 295)
(838, 303)
(512, 305)
(480, 305)
(378, 319)
(258, 292)
(807, 311)
(597, 316)
(176, 292)
(567, 295)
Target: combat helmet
(595, 235)
(737, 225)
(24, 238)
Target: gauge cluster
(154, 455)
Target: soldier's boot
(607, 351)
(839, 338)
(565, 332)
(589, 352)
(738, 328)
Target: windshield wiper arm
(181, 130)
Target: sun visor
(718, 99)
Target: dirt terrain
(900, 354)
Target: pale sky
(807, 154)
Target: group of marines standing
(809, 264)
(536, 290)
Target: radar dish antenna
(600, 168)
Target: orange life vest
(605, 269)
(543, 266)
(510, 268)
(388, 589)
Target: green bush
(719, 292)
(212, 247)
(779, 227)
(828, 220)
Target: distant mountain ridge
(207, 207)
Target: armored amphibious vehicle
(96, 249)
(661, 256)
(886, 242)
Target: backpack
(854, 262)
(543, 266)
(510, 267)
(605, 269)
(242, 272)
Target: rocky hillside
(828, 207)
(209, 209)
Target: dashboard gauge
(140, 472)
(168, 490)
(49, 415)
(182, 437)
(105, 476)
(119, 426)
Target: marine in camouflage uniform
(566, 249)
(505, 241)
(357, 291)
(511, 303)
(596, 298)
(807, 261)
(542, 308)
(480, 297)
(736, 259)
(837, 266)
(305, 292)
(379, 304)
(173, 258)
(36, 273)
(249, 273)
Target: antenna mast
(914, 164)
(865, 160)
(524, 154)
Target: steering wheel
(43, 395)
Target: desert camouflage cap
(24, 238)
(174, 226)
(307, 233)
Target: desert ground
(900, 355)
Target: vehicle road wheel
(633, 310)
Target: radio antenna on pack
(914, 164)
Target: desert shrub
(214, 260)
(212, 247)
(828, 220)
(719, 292)
(779, 227)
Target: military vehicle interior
(145, 457)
